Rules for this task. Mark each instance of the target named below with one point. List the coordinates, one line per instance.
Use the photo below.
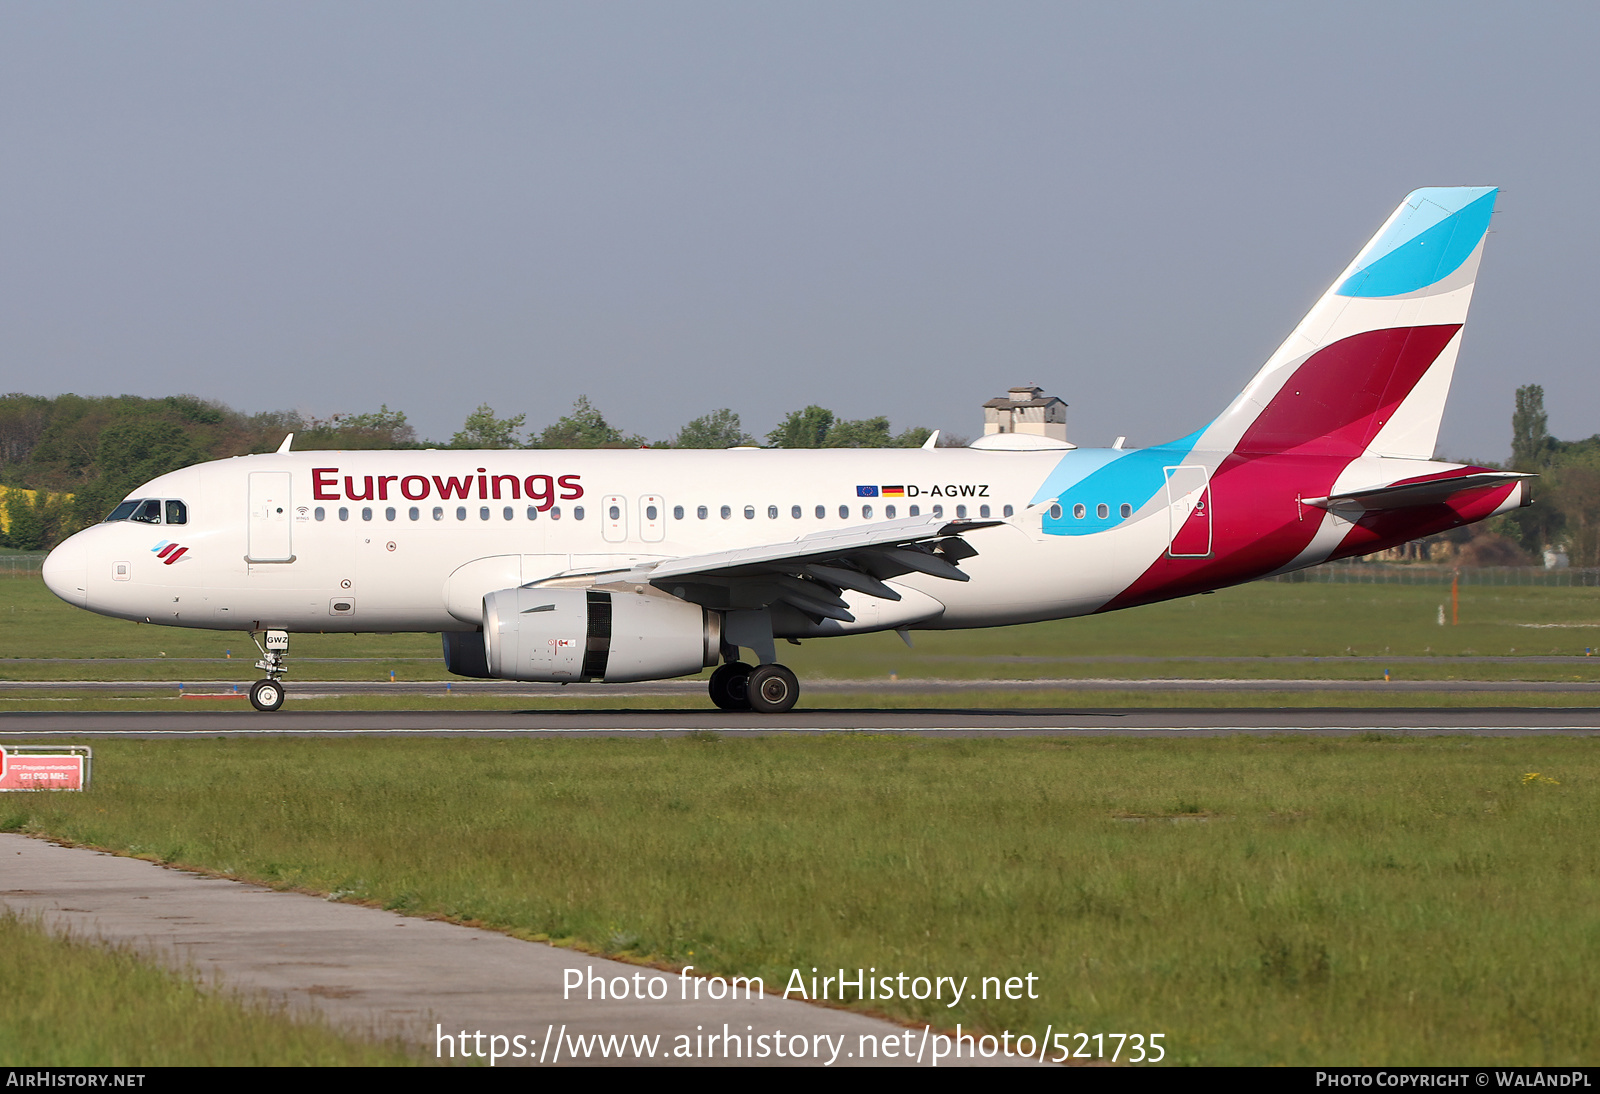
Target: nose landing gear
(267, 694)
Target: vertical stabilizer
(1368, 369)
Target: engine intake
(565, 635)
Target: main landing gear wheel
(266, 695)
(728, 686)
(773, 689)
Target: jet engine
(565, 635)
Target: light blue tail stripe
(1424, 257)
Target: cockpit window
(150, 511)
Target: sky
(881, 208)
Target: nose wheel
(266, 695)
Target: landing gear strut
(267, 694)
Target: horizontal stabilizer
(1429, 491)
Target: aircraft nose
(66, 572)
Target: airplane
(616, 566)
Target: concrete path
(375, 972)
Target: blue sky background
(890, 208)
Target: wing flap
(809, 573)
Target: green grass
(1270, 619)
(1258, 900)
(68, 1002)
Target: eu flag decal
(866, 491)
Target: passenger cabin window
(961, 511)
(821, 512)
(1007, 511)
(438, 512)
(866, 512)
(1126, 510)
(772, 512)
(795, 512)
(321, 513)
(938, 510)
(344, 514)
(749, 512)
(388, 514)
(915, 510)
(366, 513)
(533, 512)
(844, 512)
(888, 512)
(1079, 512)
(727, 512)
(702, 512)
(1102, 511)
(677, 512)
(577, 512)
(983, 510)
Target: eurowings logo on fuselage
(168, 552)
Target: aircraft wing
(809, 573)
(1432, 490)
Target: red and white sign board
(44, 768)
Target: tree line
(66, 461)
(1565, 515)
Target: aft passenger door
(1189, 512)
(270, 523)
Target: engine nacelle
(564, 635)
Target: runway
(20, 726)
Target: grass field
(1275, 621)
(1279, 900)
(73, 1003)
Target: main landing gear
(766, 689)
(267, 694)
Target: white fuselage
(331, 541)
